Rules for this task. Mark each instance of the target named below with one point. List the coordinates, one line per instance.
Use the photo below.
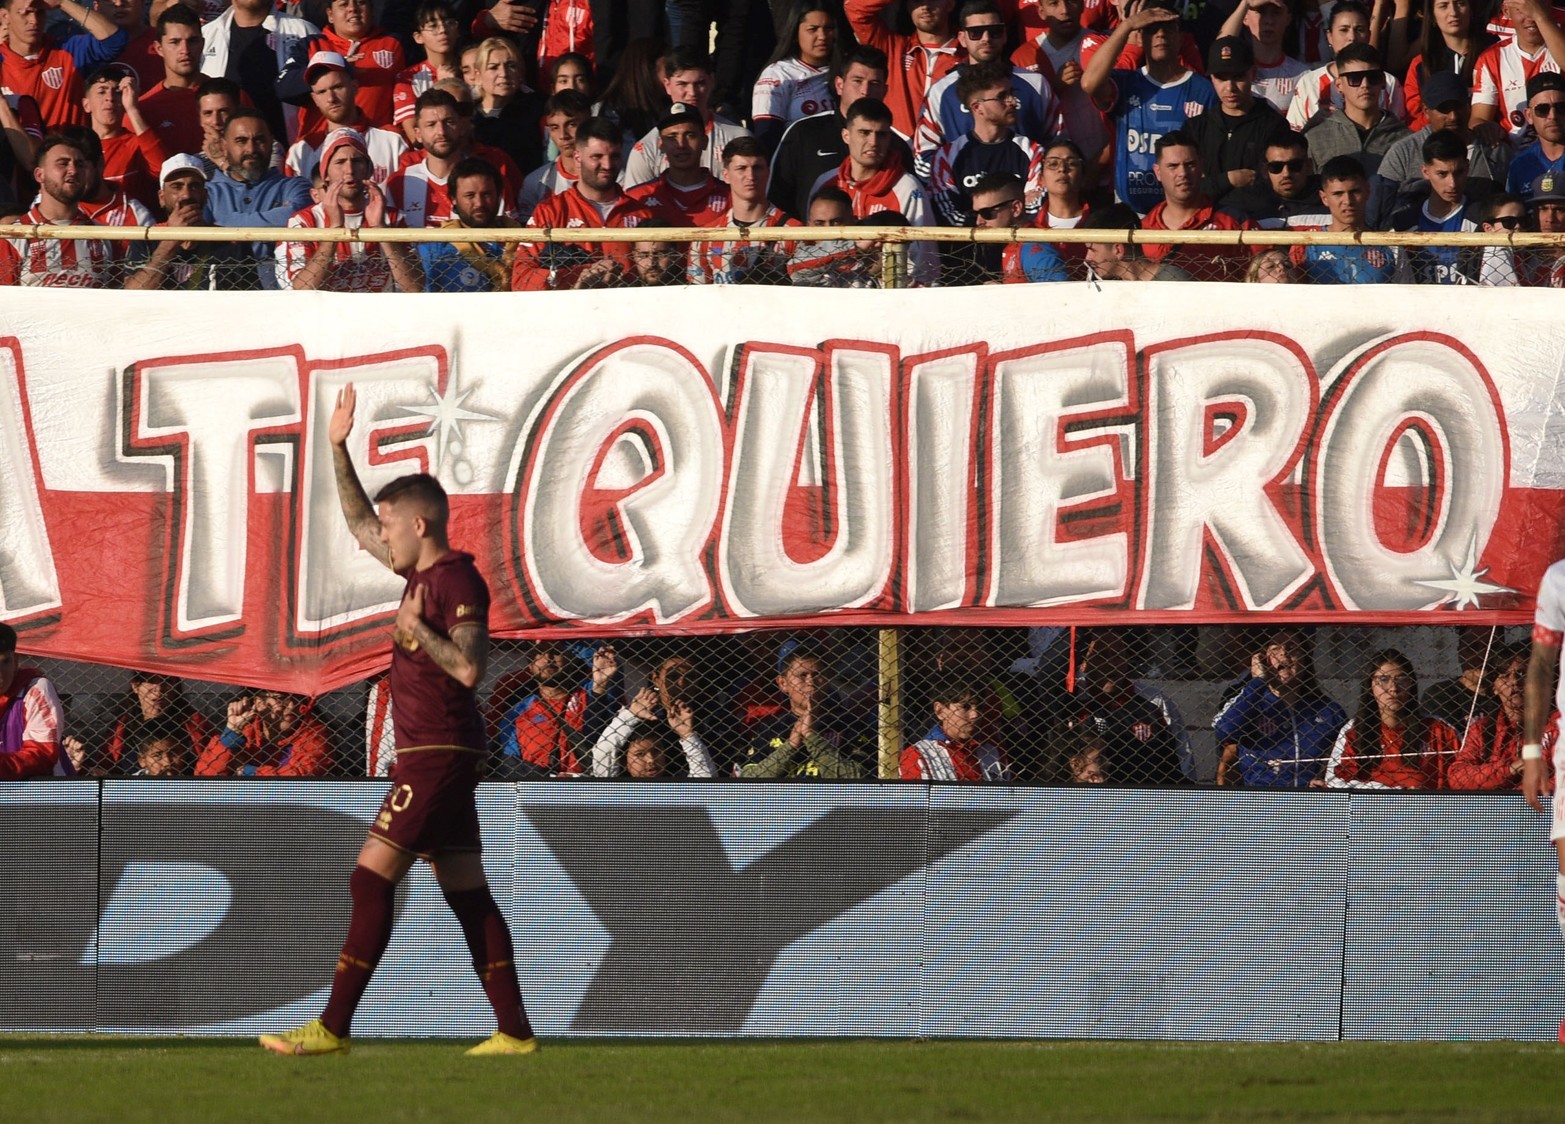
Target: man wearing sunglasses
(1546, 115)
(1363, 130)
(981, 33)
(1285, 189)
(1158, 98)
(999, 203)
(1231, 135)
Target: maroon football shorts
(430, 807)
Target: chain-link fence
(1164, 705)
(867, 257)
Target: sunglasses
(989, 214)
(1545, 109)
(985, 31)
(1510, 222)
(1357, 78)
(1058, 165)
(1294, 165)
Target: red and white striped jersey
(789, 90)
(380, 735)
(705, 204)
(567, 28)
(386, 149)
(361, 266)
(423, 198)
(1500, 79)
(57, 262)
(409, 85)
(119, 209)
(732, 263)
(1317, 88)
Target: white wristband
(1532, 751)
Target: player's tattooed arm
(464, 655)
(356, 507)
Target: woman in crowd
(1391, 743)
(572, 71)
(1450, 38)
(795, 82)
(635, 99)
(508, 113)
(1491, 752)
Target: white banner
(701, 459)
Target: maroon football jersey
(428, 707)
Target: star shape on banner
(446, 415)
(1465, 586)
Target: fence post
(890, 703)
(893, 260)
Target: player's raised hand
(241, 712)
(681, 719)
(410, 614)
(1532, 783)
(645, 705)
(342, 415)
(605, 666)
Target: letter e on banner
(29, 586)
(338, 581)
(1414, 438)
(622, 486)
(1042, 465)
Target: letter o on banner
(1414, 416)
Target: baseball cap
(680, 113)
(1545, 80)
(325, 60)
(1230, 57)
(337, 138)
(1548, 188)
(184, 162)
(1444, 88)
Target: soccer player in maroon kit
(440, 646)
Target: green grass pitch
(77, 1078)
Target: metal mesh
(847, 258)
(1165, 706)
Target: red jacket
(1204, 263)
(913, 68)
(707, 205)
(305, 752)
(1492, 743)
(558, 265)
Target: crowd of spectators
(1052, 706)
(1437, 117)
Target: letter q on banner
(621, 489)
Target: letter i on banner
(29, 586)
